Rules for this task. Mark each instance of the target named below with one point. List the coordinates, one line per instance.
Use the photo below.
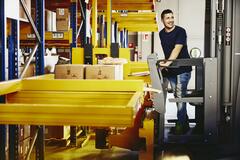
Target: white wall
(144, 45)
(12, 9)
(192, 18)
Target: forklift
(216, 96)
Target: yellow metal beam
(94, 23)
(45, 76)
(97, 51)
(50, 107)
(136, 21)
(136, 100)
(138, 66)
(141, 27)
(124, 53)
(73, 98)
(73, 95)
(134, 67)
(128, 6)
(66, 36)
(78, 56)
(83, 85)
(46, 83)
(49, 114)
(70, 102)
(10, 86)
(147, 132)
(134, 16)
(130, 1)
(77, 95)
(59, 36)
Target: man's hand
(164, 64)
(175, 52)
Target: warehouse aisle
(89, 153)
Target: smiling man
(174, 43)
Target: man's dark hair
(166, 11)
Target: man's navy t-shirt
(168, 41)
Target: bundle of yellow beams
(70, 102)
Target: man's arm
(175, 52)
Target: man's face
(168, 21)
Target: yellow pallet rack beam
(50, 36)
(10, 86)
(136, 71)
(134, 16)
(82, 85)
(70, 102)
(136, 21)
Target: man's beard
(169, 28)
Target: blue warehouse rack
(2, 75)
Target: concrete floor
(88, 152)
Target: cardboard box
(57, 132)
(30, 71)
(62, 25)
(62, 19)
(69, 71)
(62, 13)
(114, 72)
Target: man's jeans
(179, 86)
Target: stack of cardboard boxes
(69, 71)
(113, 72)
(55, 21)
(62, 19)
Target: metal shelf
(50, 36)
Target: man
(174, 43)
